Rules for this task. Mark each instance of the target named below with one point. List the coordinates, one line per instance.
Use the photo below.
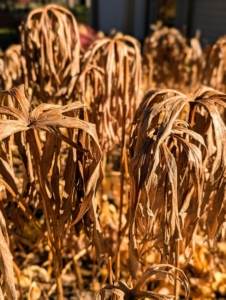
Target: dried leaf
(6, 262)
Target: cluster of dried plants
(172, 61)
(50, 60)
(50, 155)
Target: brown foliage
(12, 67)
(104, 82)
(195, 64)
(165, 54)
(177, 170)
(170, 61)
(6, 264)
(51, 47)
(64, 190)
(214, 75)
(177, 144)
(121, 291)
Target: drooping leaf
(177, 169)
(6, 262)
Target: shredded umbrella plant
(157, 222)
(64, 192)
(195, 64)
(214, 73)
(121, 291)
(177, 173)
(164, 57)
(105, 80)
(13, 67)
(51, 48)
(110, 84)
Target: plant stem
(177, 265)
(57, 276)
(110, 270)
(18, 275)
(77, 270)
(123, 159)
(46, 207)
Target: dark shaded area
(166, 12)
(9, 27)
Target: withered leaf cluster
(170, 61)
(165, 54)
(195, 64)
(215, 69)
(177, 142)
(51, 59)
(120, 290)
(177, 171)
(51, 47)
(12, 67)
(105, 82)
(62, 185)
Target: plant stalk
(53, 242)
(177, 265)
(123, 159)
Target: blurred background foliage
(13, 12)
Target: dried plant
(51, 47)
(6, 264)
(12, 67)
(214, 74)
(165, 53)
(105, 82)
(195, 64)
(63, 188)
(177, 171)
(121, 291)
(50, 155)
